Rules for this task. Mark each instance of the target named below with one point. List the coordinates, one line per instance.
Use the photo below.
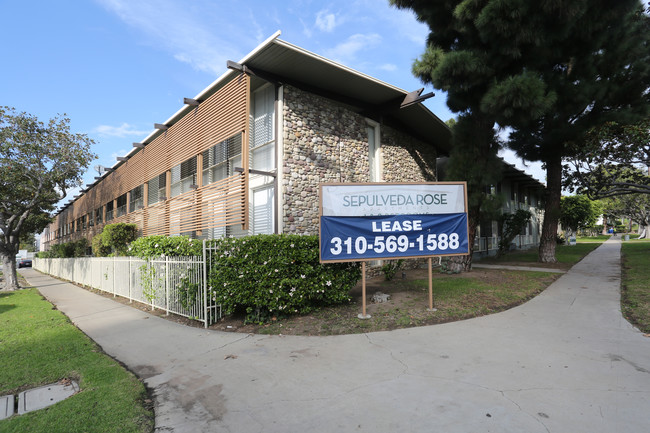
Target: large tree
(39, 163)
(549, 69)
(455, 62)
(578, 212)
(633, 206)
(611, 160)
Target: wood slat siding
(219, 204)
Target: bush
(66, 250)
(118, 236)
(156, 246)
(390, 268)
(513, 224)
(276, 275)
(99, 249)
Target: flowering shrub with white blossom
(152, 247)
(268, 276)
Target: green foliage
(39, 163)
(267, 275)
(27, 241)
(99, 249)
(578, 212)
(611, 161)
(549, 71)
(156, 246)
(634, 206)
(513, 224)
(390, 268)
(118, 236)
(66, 250)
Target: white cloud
(346, 51)
(388, 67)
(306, 30)
(325, 21)
(124, 130)
(188, 33)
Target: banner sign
(392, 199)
(368, 238)
(387, 221)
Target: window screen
(221, 159)
(121, 205)
(136, 200)
(183, 175)
(157, 189)
(109, 211)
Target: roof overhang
(284, 63)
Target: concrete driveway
(565, 361)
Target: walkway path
(565, 361)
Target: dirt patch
(472, 294)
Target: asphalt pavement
(566, 361)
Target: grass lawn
(635, 286)
(566, 255)
(598, 238)
(38, 346)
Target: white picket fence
(175, 285)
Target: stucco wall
(326, 142)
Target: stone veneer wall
(326, 142)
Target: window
(121, 206)
(136, 200)
(98, 215)
(262, 143)
(374, 145)
(221, 159)
(91, 219)
(263, 215)
(109, 211)
(157, 189)
(183, 176)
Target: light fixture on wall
(139, 145)
(161, 126)
(122, 158)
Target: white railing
(175, 285)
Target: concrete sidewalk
(565, 361)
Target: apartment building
(246, 155)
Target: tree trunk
(9, 271)
(548, 241)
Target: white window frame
(375, 161)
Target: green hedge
(65, 250)
(156, 246)
(276, 275)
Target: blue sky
(116, 67)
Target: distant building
(518, 190)
(246, 155)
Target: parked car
(25, 263)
